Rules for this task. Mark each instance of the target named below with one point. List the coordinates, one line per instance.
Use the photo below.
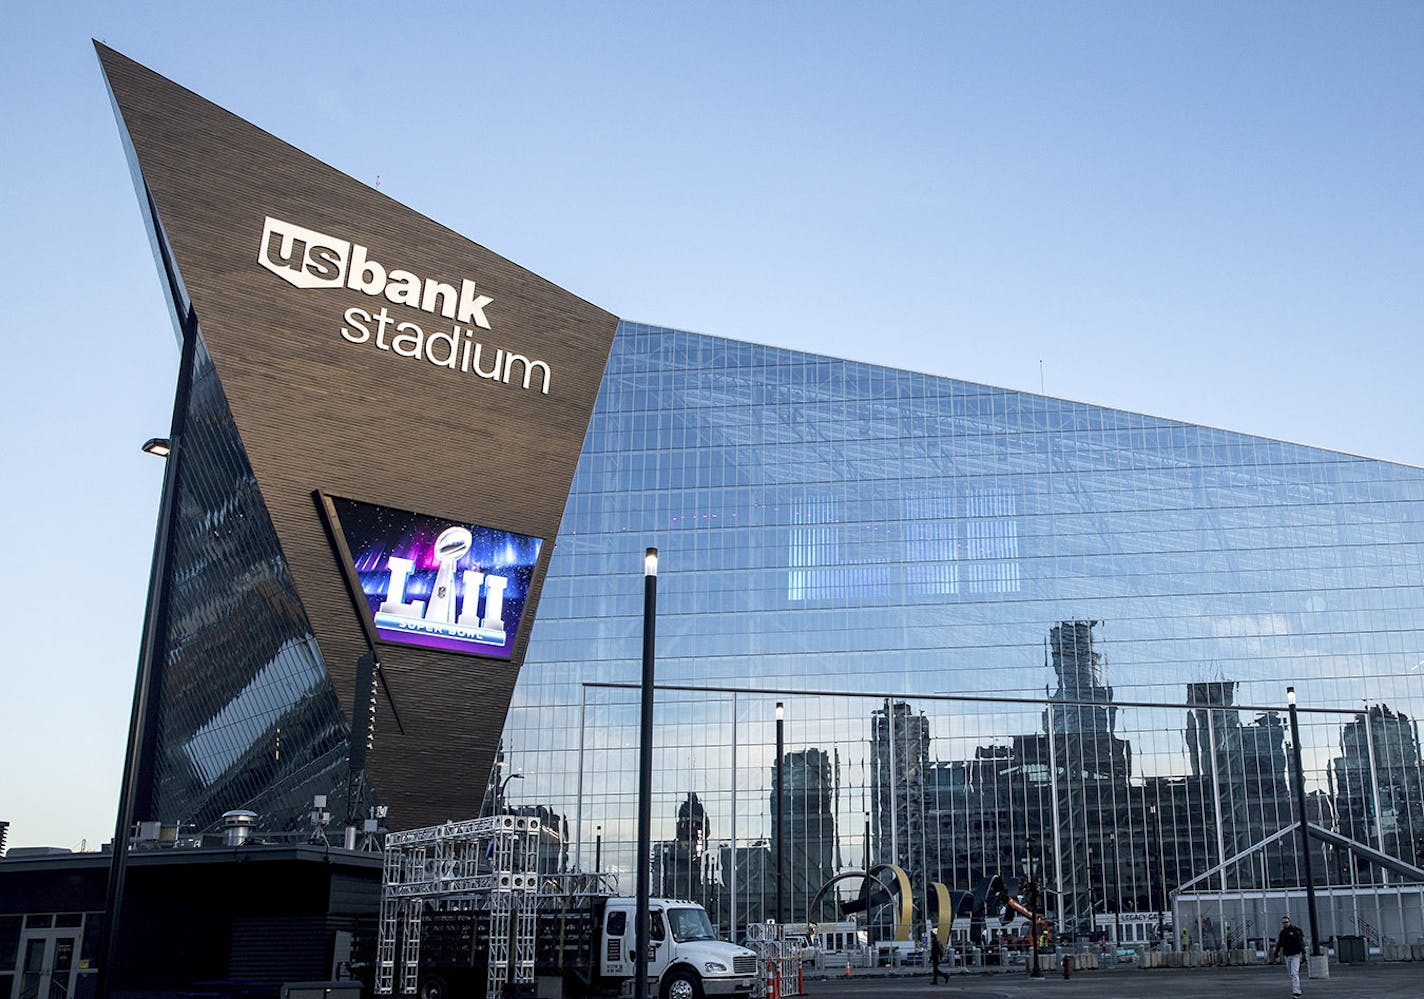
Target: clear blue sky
(1212, 212)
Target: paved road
(1371, 981)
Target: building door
(47, 960)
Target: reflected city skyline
(1062, 800)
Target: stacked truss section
(480, 864)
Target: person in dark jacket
(1291, 945)
(936, 956)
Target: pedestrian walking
(1291, 946)
(936, 956)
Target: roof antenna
(1040, 360)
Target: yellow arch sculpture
(944, 917)
(905, 916)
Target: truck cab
(685, 958)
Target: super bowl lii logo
(447, 613)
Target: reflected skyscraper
(899, 747)
(1240, 771)
(1079, 670)
(1379, 783)
(809, 839)
(684, 867)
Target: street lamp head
(1290, 696)
(650, 562)
(780, 711)
(159, 447)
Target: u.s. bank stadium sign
(305, 258)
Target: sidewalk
(1378, 980)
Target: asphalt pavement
(1403, 980)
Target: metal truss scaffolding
(481, 864)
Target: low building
(257, 914)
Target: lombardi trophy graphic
(453, 543)
(443, 615)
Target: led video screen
(438, 583)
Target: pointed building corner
(367, 354)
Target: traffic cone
(847, 965)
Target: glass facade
(245, 713)
(1013, 634)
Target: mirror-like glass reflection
(245, 714)
(1016, 637)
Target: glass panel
(33, 968)
(249, 714)
(62, 965)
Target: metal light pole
(499, 800)
(1117, 894)
(1161, 878)
(867, 844)
(645, 778)
(597, 849)
(108, 944)
(1092, 905)
(1034, 903)
(780, 817)
(1304, 832)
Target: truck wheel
(681, 984)
(432, 987)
